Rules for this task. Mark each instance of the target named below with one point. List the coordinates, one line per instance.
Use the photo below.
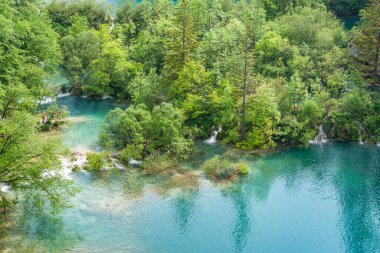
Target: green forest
(263, 74)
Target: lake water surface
(321, 199)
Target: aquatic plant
(220, 168)
(157, 163)
(97, 161)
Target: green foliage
(64, 13)
(220, 168)
(55, 117)
(109, 73)
(95, 161)
(366, 41)
(79, 51)
(273, 52)
(96, 63)
(181, 42)
(356, 118)
(269, 72)
(262, 117)
(138, 132)
(148, 89)
(28, 47)
(339, 7)
(156, 163)
(26, 161)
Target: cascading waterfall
(361, 132)
(320, 138)
(68, 165)
(4, 188)
(212, 139)
(46, 100)
(62, 95)
(134, 162)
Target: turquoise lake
(84, 133)
(321, 199)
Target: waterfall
(320, 138)
(62, 95)
(361, 131)
(4, 188)
(212, 139)
(134, 162)
(68, 165)
(116, 164)
(46, 100)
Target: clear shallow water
(83, 133)
(322, 199)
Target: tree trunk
(242, 126)
(184, 24)
(376, 73)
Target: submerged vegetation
(220, 168)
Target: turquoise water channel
(88, 116)
(321, 199)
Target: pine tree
(251, 21)
(182, 41)
(366, 41)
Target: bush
(94, 161)
(56, 116)
(138, 132)
(220, 168)
(242, 168)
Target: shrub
(56, 116)
(220, 168)
(138, 132)
(94, 161)
(242, 168)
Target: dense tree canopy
(28, 47)
(366, 43)
(270, 73)
(138, 132)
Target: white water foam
(4, 188)
(67, 166)
(134, 162)
(62, 95)
(46, 100)
(117, 165)
(320, 138)
(213, 138)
